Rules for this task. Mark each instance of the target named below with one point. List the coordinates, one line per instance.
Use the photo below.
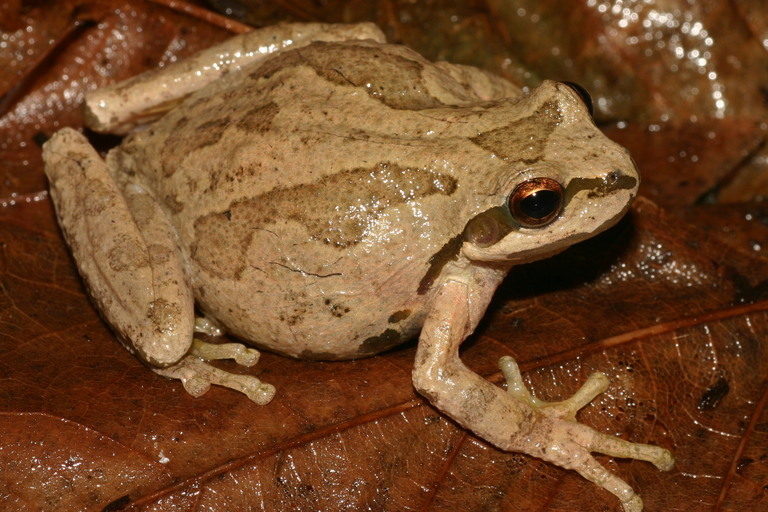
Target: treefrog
(326, 195)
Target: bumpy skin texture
(332, 201)
(301, 213)
(328, 203)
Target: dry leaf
(676, 315)
(680, 165)
(666, 60)
(60, 52)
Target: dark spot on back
(181, 123)
(522, 140)
(173, 202)
(259, 118)
(399, 316)
(396, 81)
(367, 194)
(377, 344)
(295, 316)
(337, 309)
(224, 258)
(210, 132)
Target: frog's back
(310, 209)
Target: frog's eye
(583, 94)
(536, 202)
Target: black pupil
(539, 204)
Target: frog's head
(565, 180)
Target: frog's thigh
(127, 253)
(131, 263)
(515, 421)
(145, 97)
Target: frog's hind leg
(139, 100)
(128, 255)
(515, 420)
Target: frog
(322, 194)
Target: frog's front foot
(569, 443)
(514, 420)
(197, 375)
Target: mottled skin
(332, 201)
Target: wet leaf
(672, 304)
(54, 464)
(669, 60)
(696, 162)
(58, 53)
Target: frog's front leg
(514, 420)
(128, 255)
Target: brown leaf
(741, 226)
(674, 60)
(54, 464)
(680, 164)
(60, 52)
(677, 328)
(675, 315)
